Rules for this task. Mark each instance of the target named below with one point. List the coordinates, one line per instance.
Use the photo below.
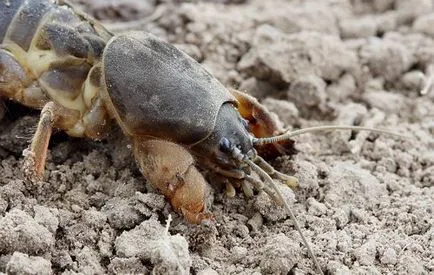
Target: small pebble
(316, 208)
(389, 256)
(256, 222)
(365, 254)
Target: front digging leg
(262, 124)
(170, 169)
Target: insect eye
(225, 145)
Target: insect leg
(231, 177)
(262, 124)
(35, 156)
(223, 176)
(170, 168)
(52, 115)
(245, 181)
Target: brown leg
(18, 84)
(52, 115)
(170, 169)
(262, 124)
(229, 178)
(34, 161)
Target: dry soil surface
(365, 201)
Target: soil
(365, 201)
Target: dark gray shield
(160, 91)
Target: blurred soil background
(365, 201)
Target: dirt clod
(149, 242)
(21, 263)
(279, 254)
(20, 232)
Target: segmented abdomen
(60, 47)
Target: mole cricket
(176, 115)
